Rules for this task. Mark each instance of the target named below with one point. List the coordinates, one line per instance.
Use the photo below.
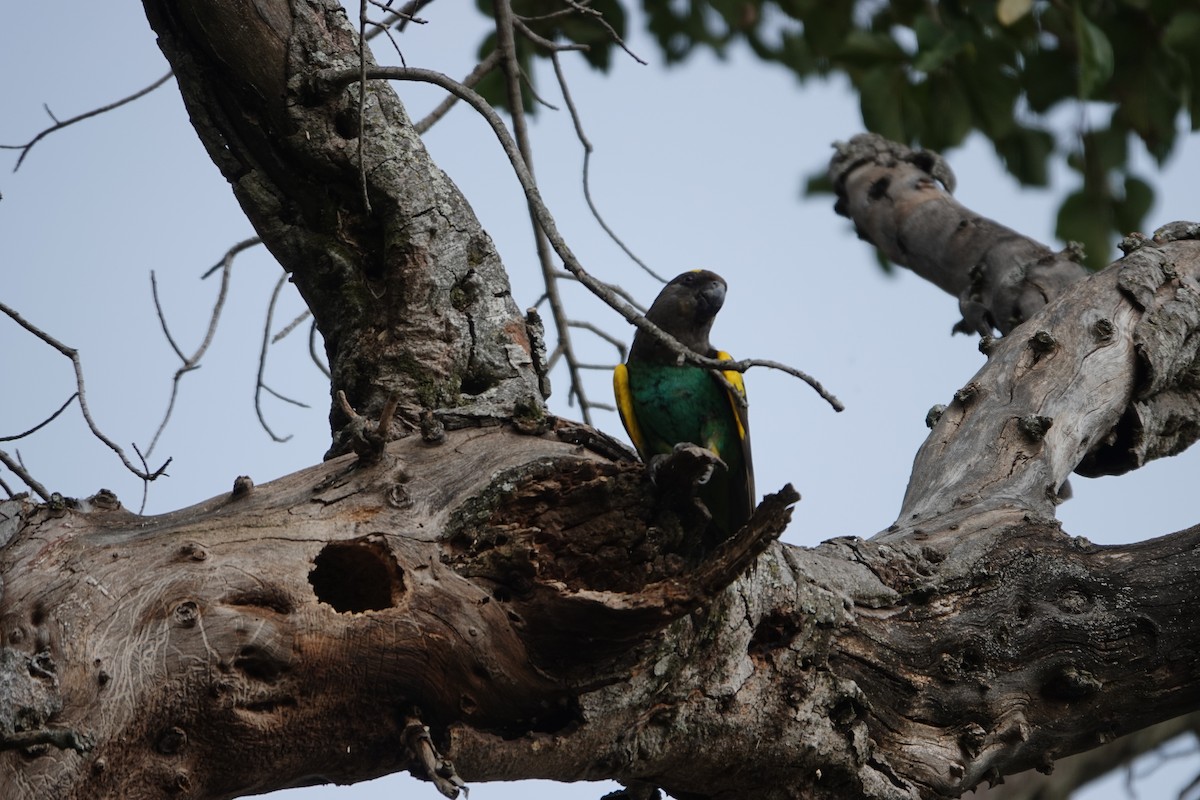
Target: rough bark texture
(1000, 277)
(409, 294)
(529, 597)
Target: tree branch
(59, 125)
(328, 79)
(891, 193)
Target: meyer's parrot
(664, 402)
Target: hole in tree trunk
(357, 576)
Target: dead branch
(73, 355)
(260, 384)
(19, 470)
(891, 193)
(41, 424)
(59, 125)
(193, 361)
(330, 79)
(577, 122)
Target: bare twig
(587, 160)
(508, 49)
(145, 483)
(583, 9)
(285, 398)
(543, 42)
(41, 424)
(17, 469)
(73, 355)
(312, 350)
(603, 334)
(616, 289)
(7, 489)
(386, 31)
(442, 108)
(362, 104)
(333, 78)
(291, 326)
(262, 365)
(193, 361)
(59, 125)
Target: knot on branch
(1162, 279)
(871, 148)
(359, 436)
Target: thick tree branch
(409, 294)
(552, 617)
(891, 193)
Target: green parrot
(664, 402)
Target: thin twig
(537, 98)
(616, 289)
(7, 489)
(17, 469)
(362, 101)
(291, 326)
(543, 42)
(507, 46)
(442, 108)
(285, 398)
(41, 424)
(334, 78)
(73, 355)
(312, 350)
(145, 483)
(583, 9)
(262, 364)
(193, 361)
(245, 244)
(386, 31)
(58, 126)
(603, 334)
(587, 160)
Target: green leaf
(865, 48)
(1095, 55)
(936, 45)
(947, 114)
(880, 90)
(1025, 152)
(1130, 212)
(991, 89)
(1048, 79)
(817, 183)
(1108, 148)
(1086, 217)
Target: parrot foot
(679, 476)
(684, 468)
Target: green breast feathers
(664, 403)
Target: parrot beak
(711, 297)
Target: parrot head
(685, 308)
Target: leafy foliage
(932, 73)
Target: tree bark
(405, 286)
(517, 599)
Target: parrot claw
(688, 465)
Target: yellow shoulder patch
(739, 385)
(625, 406)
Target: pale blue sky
(698, 166)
